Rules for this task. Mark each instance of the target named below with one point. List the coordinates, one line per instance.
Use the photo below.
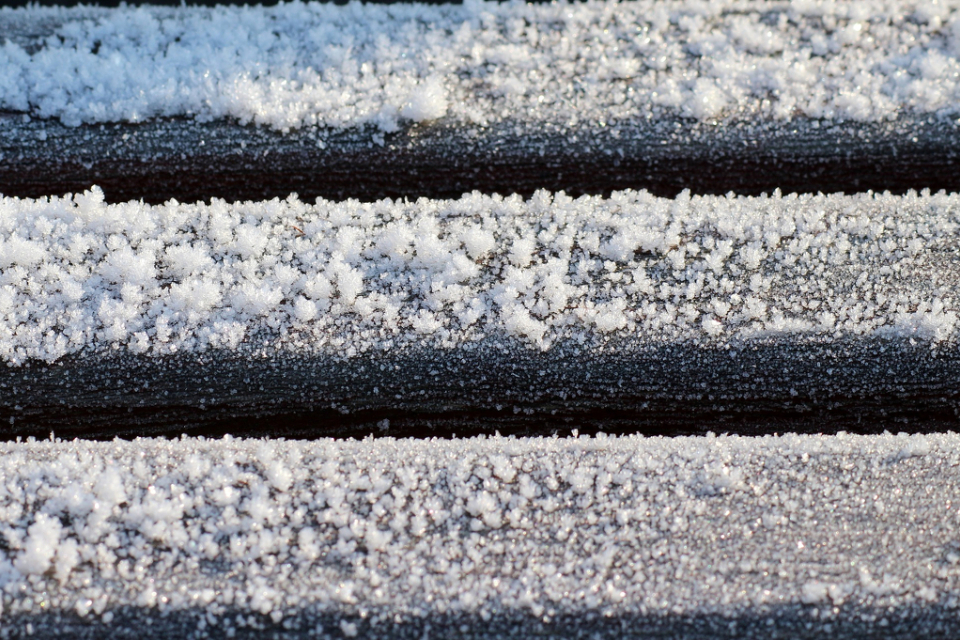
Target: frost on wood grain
(799, 534)
(180, 158)
(298, 65)
(341, 279)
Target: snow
(382, 531)
(341, 279)
(40, 546)
(306, 64)
(427, 102)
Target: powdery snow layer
(345, 278)
(366, 536)
(600, 62)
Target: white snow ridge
(342, 537)
(346, 278)
(479, 63)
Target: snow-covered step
(799, 536)
(531, 311)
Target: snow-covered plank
(318, 64)
(802, 536)
(543, 309)
(412, 100)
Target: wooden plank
(189, 161)
(785, 386)
(794, 536)
(748, 315)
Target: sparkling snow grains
(346, 537)
(364, 535)
(296, 64)
(346, 278)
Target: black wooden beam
(865, 386)
(190, 161)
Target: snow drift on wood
(298, 64)
(346, 278)
(250, 532)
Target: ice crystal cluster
(296, 64)
(379, 531)
(344, 278)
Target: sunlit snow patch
(385, 535)
(305, 64)
(347, 278)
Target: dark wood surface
(790, 621)
(191, 161)
(759, 388)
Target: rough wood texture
(191, 161)
(864, 387)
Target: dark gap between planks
(865, 386)
(189, 161)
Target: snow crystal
(398, 531)
(428, 101)
(628, 270)
(41, 544)
(305, 64)
(929, 322)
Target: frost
(318, 64)
(915, 446)
(931, 322)
(109, 488)
(428, 101)
(813, 592)
(41, 545)
(406, 530)
(628, 270)
(17, 251)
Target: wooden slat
(865, 387)
(190, 161)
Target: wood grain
(190, 161)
